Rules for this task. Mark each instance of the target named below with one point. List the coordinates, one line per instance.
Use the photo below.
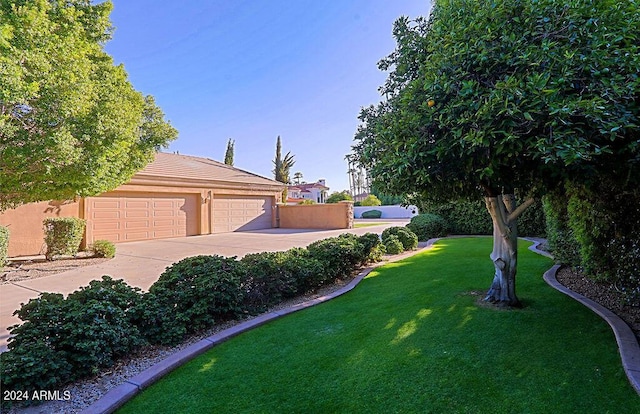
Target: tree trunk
(504, 215)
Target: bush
(266, 280)
(370, 200)
(373, 247)
(372, 214)
(4, 245)
(560, 239)
(427, 226)
(625, 253)
(103, 248)
(393, 245)
(307, 272)
(408, 238)
(192, 295)
(340, 255)
(63, 340)
(63, 235)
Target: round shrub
(372, 214)
(427, 226)
(408, 238)
(393, 245)
(63, 340)
(190, 296)
(103, 248)
(373, 247)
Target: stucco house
(174, 196)
(309, 191)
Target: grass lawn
(360, 225)
(411, 338)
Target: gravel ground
(18, 270)
(85, 392)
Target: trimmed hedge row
(63, 340)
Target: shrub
(370, 200)
(427, 226)
(191, 295)
(625, 253)
(266, 280)
(306, 271)
(62, 340)
(306, 202)
(372, 214)
(4, 245)
(373, 247)
(408, 238)
(103, 248)
(63, 235)
(561, 241)
(337, 197)
(393, 245)
(462, 216)
(340, 255)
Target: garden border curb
(628, 345)
(118, 396)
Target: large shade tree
(498, 98)
(71, 124)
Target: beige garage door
(123, 217)
(231, 213)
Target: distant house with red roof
(316, 192)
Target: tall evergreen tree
(228, 155)
(282, 166)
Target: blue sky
(253, 70)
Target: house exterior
(174, 196)
(316, 192)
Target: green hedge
(4, 245)
(63, 235)
(103, 248)
(471, 217)
(63, 340)
(372, 214)
(427, 226)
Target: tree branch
(521, 208)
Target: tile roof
(186, 167)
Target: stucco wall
(316, 216)
(388, 211)
(26, 233)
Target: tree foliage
(282, 166)
(71, 123)
(228, 155)
(508, 94)
(336, 197)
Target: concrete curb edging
(118, 396)
(626, 339)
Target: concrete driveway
(141, 263)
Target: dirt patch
(603, 293)
(20, 270)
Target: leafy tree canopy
(507, 94)
(71, 123)
(336, 197)
(371, 200)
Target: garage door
(128, 217)
(231, 213)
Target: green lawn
(411, 338)
(360, 225)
